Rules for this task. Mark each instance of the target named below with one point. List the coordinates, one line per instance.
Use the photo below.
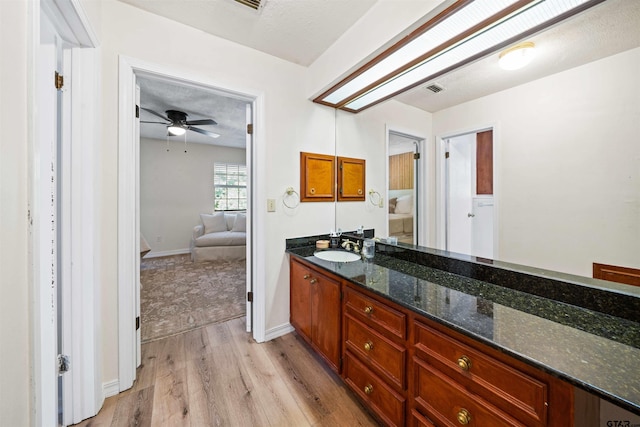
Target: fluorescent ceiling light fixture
(176, 130)
(460, 34)
(517, 56)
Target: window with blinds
(229, 187)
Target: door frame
(128, 200)
(420, 182)
(441, 182)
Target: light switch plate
(271, 205)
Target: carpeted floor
(178, 295)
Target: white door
(45, 229)
(249, 162)
(469, 216)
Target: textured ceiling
(298, 31)
(199, 103)
(606, 29)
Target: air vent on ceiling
(435, 88)
(253, 4)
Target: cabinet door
(351, 179)
(325, 315)
(317, 177)
(300, 298)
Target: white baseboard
(110, 388)
(278, 331)
(167, 253)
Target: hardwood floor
(219, 376)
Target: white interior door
(45, 230)
(469, 216)
(459, 168)
(249, 162)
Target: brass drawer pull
(464, 363)
(368, 309)
(368, 389)
(464, 417)
(313, 281)
(306, 276)
(312, 190)
(368, 346)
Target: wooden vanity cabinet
(459, 382)
(410, 370)
(375, 354)
(315, 310)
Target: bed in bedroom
(401, 218)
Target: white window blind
(230, 186)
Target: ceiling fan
(177, 123)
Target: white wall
(175, 188)
(568, 171)
(15, 313)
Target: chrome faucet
(349, 245)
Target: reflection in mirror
(566, 157)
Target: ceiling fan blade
(156, 114)
(202, 122)
(204, 132)
(160, 123)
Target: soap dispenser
(335, 238)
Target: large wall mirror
(566, 132)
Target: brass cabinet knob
(368, 346)
(312, 190)
(465, 363)
(306, 276)
(313, 281)
(368, 309)
(464, 417)
(359, 191)
(368, 389)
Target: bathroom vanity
(428, 338)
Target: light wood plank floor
(219, 376)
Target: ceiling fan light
(517, 56)
(176, 130)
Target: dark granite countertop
(596, 350)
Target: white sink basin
(337, 256)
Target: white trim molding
(167, 253)
(278, 331)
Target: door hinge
(250, 296)
(137, 323)
(446, 155)
(250, 128)
(64, 364)
(416, 156)
(59, 81)
(137, 111)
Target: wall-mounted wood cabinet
(351, 179)
(317, 177)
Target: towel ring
(375, 198)
(289, 192)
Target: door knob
(470, 215)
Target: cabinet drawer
(419, 420)
(376, 314)
(448, 403)
(384, 356)
(380, 397)
(513, 391)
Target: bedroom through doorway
(194, 176)
(402, 192)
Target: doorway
(469, 196)
(187, 180)
(128, 209)
(402, 187)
